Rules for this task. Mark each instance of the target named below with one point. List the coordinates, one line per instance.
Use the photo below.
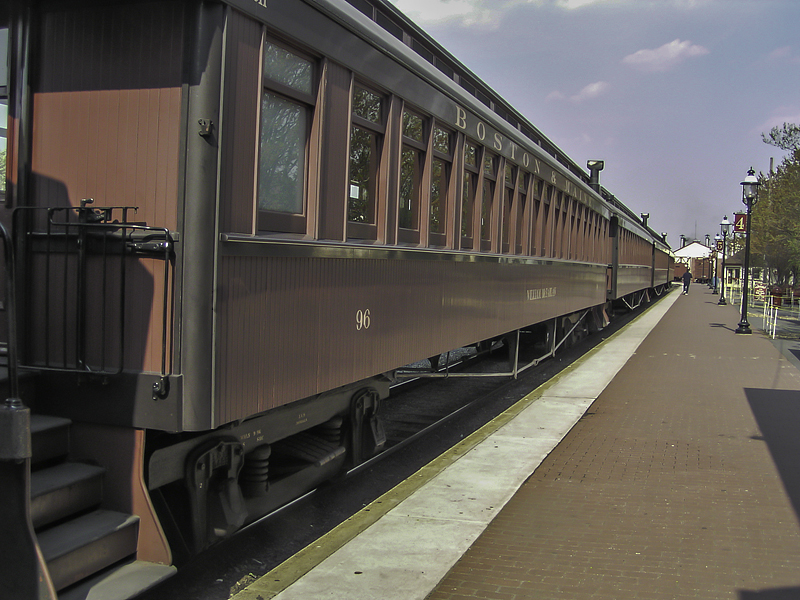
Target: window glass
(409, 189)
(471, 155)
(281, 168)
(489, 177)
(367, 105)
(366, 138)
(469, 191)
(412, 126)
(488, 165)
(287, 68)
(441, 140)
(363, 171)
(486, 209)
(287, 105)
(438, 195)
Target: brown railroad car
(232, 222)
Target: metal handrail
(80, 232)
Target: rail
(77, 263)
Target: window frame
(273, 220)
(510, 171)
(488, 189)
(471, 178)
(356, 229)
(411, 235)
(439, 238)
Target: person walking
(687, 279)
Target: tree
(776, 217)
(786, 137)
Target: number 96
(362, 319)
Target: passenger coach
(231, 223)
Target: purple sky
(672, 94)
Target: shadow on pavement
(777, 413)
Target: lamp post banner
(740, 222)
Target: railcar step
(49, 438)
(120, 583)
(83, 546)
(64, 489)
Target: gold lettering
(498, 141)
(526, 160)
(461, 118)
(537, 165)
(481, 131)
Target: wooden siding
(239, 138)
(107, 109)
(107, 125)
(287, 326)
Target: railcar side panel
(633, 278)
(663, 267)
(290, 327)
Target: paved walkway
(681, 481)
(663, 466)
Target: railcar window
(366, 136)
(441, 166)
(367, 105)
(469, 190)
(363, 167)
(287, 68)
(281, 169)
(442, 141)
(410, 168)
(286, 106)
(412, 161)
(487, 198)
(523, 215)
(508, 205)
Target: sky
(672, 94)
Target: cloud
(784, 54)
(664, 58)
(481, 13)
(490, 13)
(591, 91)
(478, 13)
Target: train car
(228, 224)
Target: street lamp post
(725, 227)
(717, 240)
(750, 199)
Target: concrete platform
(681, 481)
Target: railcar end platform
(663, 465)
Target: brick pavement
(681, 481)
